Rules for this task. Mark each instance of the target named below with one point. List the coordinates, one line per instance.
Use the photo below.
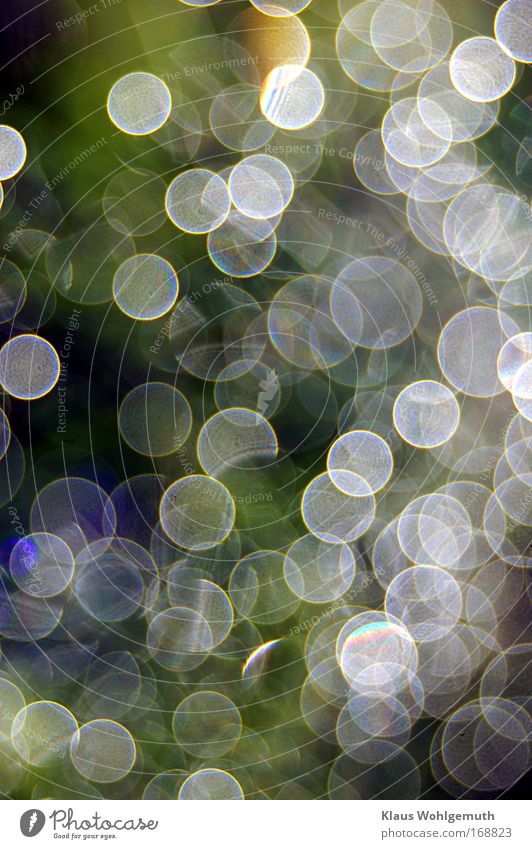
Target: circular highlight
(359, 456)
(12, 152)
(41, 564)
(261, 186)
(197, 201)
(207, 725)
(242, 246)
(197, 512)
(186, 589)
(468, 351)
(155, 419)
(376, 302)
(259, 590)
(319, 571)
(211, 784)
(426, 414)
(103, 751)
(415, 139)
(42, 732)
(480, 69)
(426, 600)
(139, 104)
(333, 516)
(145, 287)
(179, 638)
(376, 655)
(513, 29)
(292, 97)
(280, 8)
(109, 578)
(236, 439)
(514, 354)
(29, 367)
